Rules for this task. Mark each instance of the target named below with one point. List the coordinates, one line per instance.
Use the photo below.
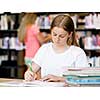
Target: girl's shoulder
(46, 45)
(44, 48)
(76, 49)
(34, 26)
(34, 29)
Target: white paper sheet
(32, 84)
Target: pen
(30, 66)
(29, 63)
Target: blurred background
(12, 51)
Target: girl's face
(59, 36)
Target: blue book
(83, 79)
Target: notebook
(35, 83)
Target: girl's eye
(54, 34)
(62, 36)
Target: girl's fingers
(31, 73)
(29, 76)
(45, 78)
(35, 76)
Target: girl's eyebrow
(56, 33)
(60, 34)
(53, 32)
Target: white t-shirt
(56, 63)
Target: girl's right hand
(29, 75)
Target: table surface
(9, 79)
(4, 80)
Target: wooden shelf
(8, 31)
(86, 29)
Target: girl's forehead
(58, 29)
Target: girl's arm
(53, 78)
(33, 74)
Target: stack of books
(83, 76)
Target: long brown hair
(28, 19)
(65, 22)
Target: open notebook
(35, 83)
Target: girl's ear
(70, 35)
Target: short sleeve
(38, 58)
(81, 60)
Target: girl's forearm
(61, 79)
(35, 68)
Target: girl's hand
(29, 75)
(53, 78)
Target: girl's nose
(58, 37)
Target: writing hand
(29, 75)
(53, 78)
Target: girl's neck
(60, 49)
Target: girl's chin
(58, 44)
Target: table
(19, 83)
(4, 82)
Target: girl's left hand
(53, 78)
